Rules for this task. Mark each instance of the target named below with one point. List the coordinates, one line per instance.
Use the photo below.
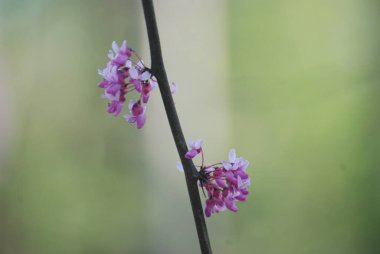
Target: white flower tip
(141, 64)
(145, 76)
(153, 84)
(128, 64)
(179, 166)
(110, 54)
(210, 169)
(232, 155)
(124, 45)
(133, 72)
(173, 88)
(198, 143)
(115, 47)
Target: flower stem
(191, 173)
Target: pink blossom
(122, 76)
(119, 56)
(115, 107)
(147, 88)
(195, 148)
(139, 75)
(225, 182)
(137, 113)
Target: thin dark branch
(191, 174)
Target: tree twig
(191, 174)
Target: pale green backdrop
(302, 94)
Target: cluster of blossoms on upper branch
(121, 76)
(225, 182)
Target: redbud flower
(122, 76)
(225, 182)
(120, 55)
(137, 113)
(195, 148)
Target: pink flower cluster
(225, 182)
(122, 76)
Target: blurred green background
(302, 90)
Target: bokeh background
(292, 85)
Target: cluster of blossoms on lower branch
(122, 76)
(225, 182)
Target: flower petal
(130, 118)
(179, 166)
(173, 88)
(198, 143)
(191, 154)
(115, 47)
(131, 103)
(133, 72)
(140, 121)
(232, 155)
(146, 75)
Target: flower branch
(191, 174)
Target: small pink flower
(195, 149)
(147, 88)
(115, 107)
(121, 76)
(109, 75)
(119, 56)
(139, 75)
(225, 182)
(137, 114)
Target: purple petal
(130, 118)
(103, 84)
(191, 154)
(145, 98)
(241, 198)
(242, 174)
(113, 89)
(230, 177)
(140, 121)
(221, 183)
(243, 184)
(230, 204)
